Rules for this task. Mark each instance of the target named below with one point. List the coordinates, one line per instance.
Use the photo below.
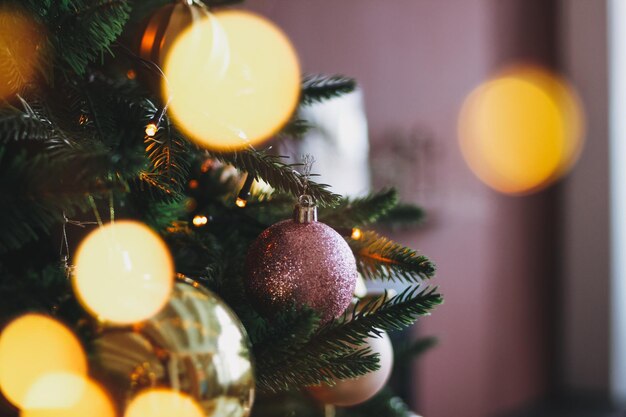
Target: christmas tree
(180, 266)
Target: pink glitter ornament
(301, 262)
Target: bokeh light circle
(32, 346)
(522, 130)
(163, 402)
(232, 80)
(67, 395)
(124, 272)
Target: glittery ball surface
(298, 264)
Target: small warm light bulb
(66, 395)
(200, 221)
(207, 165)
(124, 272)
(131, 74)
(151, 129)
(32, 346)
(357, 233)
(240, 202)
(162, 402)
(193, 184)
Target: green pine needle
(381, 314)
(17, 126)
(318, 88)
(35, 194)
(302, 360)
(360, 211)
(402, 215)
(279, 175)
(288, 331)
(169, 152)
(85, 29)
(296, 128)
(379, 257)
(303, 370)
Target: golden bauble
(164, 26)
(195, 346)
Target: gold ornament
(165, 25)
(195, 345)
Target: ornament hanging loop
(306, 210)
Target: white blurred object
(339, 143)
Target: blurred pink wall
(416, 60)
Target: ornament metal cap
(305, 211)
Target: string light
(193, 184)
(207, 165)
(131, 74)
(153, 125)
(244, 194)
(199, 221)
(151, 129)
(357, 233)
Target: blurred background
(531, 268)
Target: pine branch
(169, 153)
(317, 88)
(402, 215)
(379, 257)
(90, 161)
(296, 128)
(288, 331)
(281, 176)
(381, 314)
(160, 215)
(31, 290)
(17, 126)
(35, 193)
(298, 362)
(361, 211)
(84, 30)
(304, 371)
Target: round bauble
(349, 392)
(301, 262)
(195, 346)
(164, 27)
